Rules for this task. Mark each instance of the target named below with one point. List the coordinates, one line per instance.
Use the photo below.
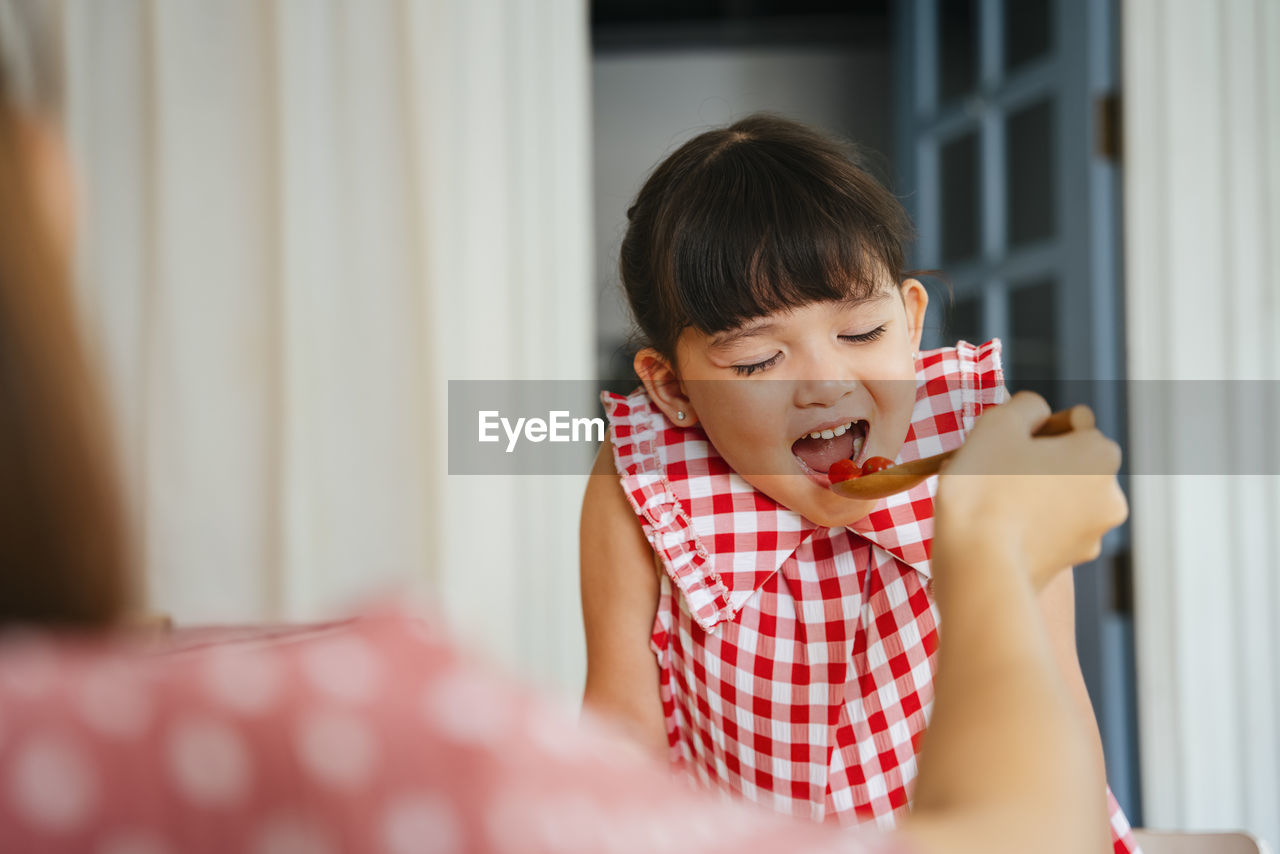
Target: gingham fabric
(797, 661)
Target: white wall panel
(302, 219)
(1202, 209)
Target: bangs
(763, 216)
(762, 230)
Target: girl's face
(763, 391)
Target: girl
(776, 639)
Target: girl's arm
(619, 601)
(1007, 763)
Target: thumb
(1028, 409)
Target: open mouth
(818, 450)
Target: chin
(839, 517)
(818, 504)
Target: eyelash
(748, 370)
(864, 338)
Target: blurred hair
(766, 214)
(63, 553)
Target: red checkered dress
(797, 661)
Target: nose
(821, 392)
(824, 379)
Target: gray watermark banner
(524, 427)
(543, 427)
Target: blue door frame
(1004, 163)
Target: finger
(1091, 450)
(1066, 421)
(1029, 408)
(1093, 552)
(1119, 506)
(1081, 417)
(1111, 455)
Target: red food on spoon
(875, 464)
(842, 470)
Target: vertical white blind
(302, 219)
(1202, 222)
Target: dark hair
(742, 221)
(63, 545)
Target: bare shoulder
(609, 529)
(619, 601)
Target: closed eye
(865, 337)
(748, 370)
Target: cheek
(895, 397)
(904, 402)
(735, 400)
(739, 416)
(895, 392)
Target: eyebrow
(750, 330)
(733, 336)
(857, 302)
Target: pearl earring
(679, 414)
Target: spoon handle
(1067, 420)
(909, 474)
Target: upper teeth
(831, 433)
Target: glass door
(1008, 163)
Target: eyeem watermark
(536, 427)
(554, 427)
(558, 426)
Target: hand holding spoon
(881, 484)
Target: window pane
(964, 321)
(960, 210)
(1030, 164)
(1027, 31)
(957, 48)
(1033, 339)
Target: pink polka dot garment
(797, 662)
(368, 735)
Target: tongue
(820, 454)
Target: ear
(663, 386)
(916, 300)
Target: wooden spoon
(904, 476)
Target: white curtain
(301, 219)
(1202, 223)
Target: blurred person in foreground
(377, 733)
